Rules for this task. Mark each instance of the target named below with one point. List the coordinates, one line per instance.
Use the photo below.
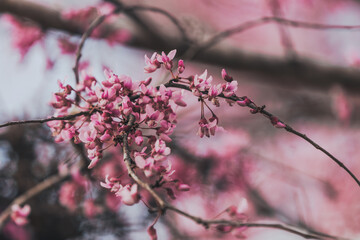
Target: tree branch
(270, 116)
(300, 73)
(85, 35)
(68, 117)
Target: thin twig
(68, 117)
(173, 19)
(85, 35)
(207, 223)
(287, 127)
(264, 20)
(130, 9)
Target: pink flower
(111, 184)
(160, 148)
(206, 128)
(167, 59)
(129, 195)
(230, 88)
(151, 63)
(138, 137)
(19, 215)
(178, 98)
(225, 76)
(214, 91)
(202, 83)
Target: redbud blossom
(167, 59)
(151, 63)
(19, 214)
(230, 88)
(225, 76)
(207, 128)
(129, 195)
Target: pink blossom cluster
(107, 107)
(110, 103)
(200, 85)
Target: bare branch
(86, 34)
(207, 223)
(287, 127)
(68, 117)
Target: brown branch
(301, 73)
(207, 223)
(68, 117)
(85, 35)
(288, 128)
(32, 192)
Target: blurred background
(307, 77)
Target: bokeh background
(283, 177)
